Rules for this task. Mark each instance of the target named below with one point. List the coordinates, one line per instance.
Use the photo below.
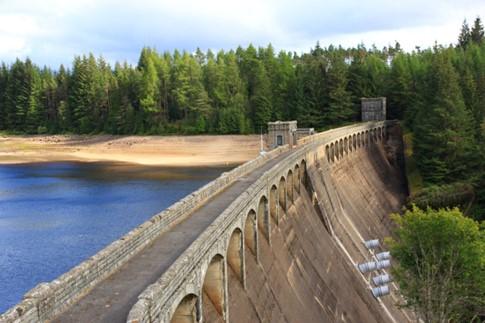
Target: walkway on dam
(112, 299)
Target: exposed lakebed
(55, 215)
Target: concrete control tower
(373, 109)
(281, 133)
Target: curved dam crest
(283, 248)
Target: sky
(51, 32)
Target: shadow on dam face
(305, 275)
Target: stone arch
(214, 288)
(263, 217)
(251, 233)
(358, 140)
(273, 204)
(341, 148)
(354, 143)
(187, 310)
(289, 187)
(366, 138)
(332, 152)
(282, 195)
(327, 153)
(297, 179)
(346, 146)
(303, 175)
(235, 254)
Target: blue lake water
(55, 215)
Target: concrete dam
(277, 239)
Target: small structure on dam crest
(373, 109)
(282, 133)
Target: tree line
(237, 91)
(438, 92)
(228, 92)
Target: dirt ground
(145, 150)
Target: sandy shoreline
(144, 150)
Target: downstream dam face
(277, 239)
(307, 273)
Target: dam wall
(286, 250)
(307, 273)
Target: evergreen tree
(340, 107)
(62, 96)
(36, 116)
(477, 33)
(399, 88)
(82, 93)
(3, 99)
(21, 95)
(260, 101)
(443, 138)
(148, 87)
(464, 38)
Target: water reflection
(54, 215)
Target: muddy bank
(144, 150)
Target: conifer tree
(443, 138)
(464, 38)
(399, 88)
(3, 90)
(340, 107)
(260, 101)
(148, 87)
(36, 116)
(477, 33)
(62, 97)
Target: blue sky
(53, 31)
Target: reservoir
(55, 215)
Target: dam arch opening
(187, 310)
(235, 254)
(303, 174)
(298, 179)
(289, 187)
(282, 195)
(273, 204)
(263, 216)
(250, 233)
(213, 288)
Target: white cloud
(53, 31)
